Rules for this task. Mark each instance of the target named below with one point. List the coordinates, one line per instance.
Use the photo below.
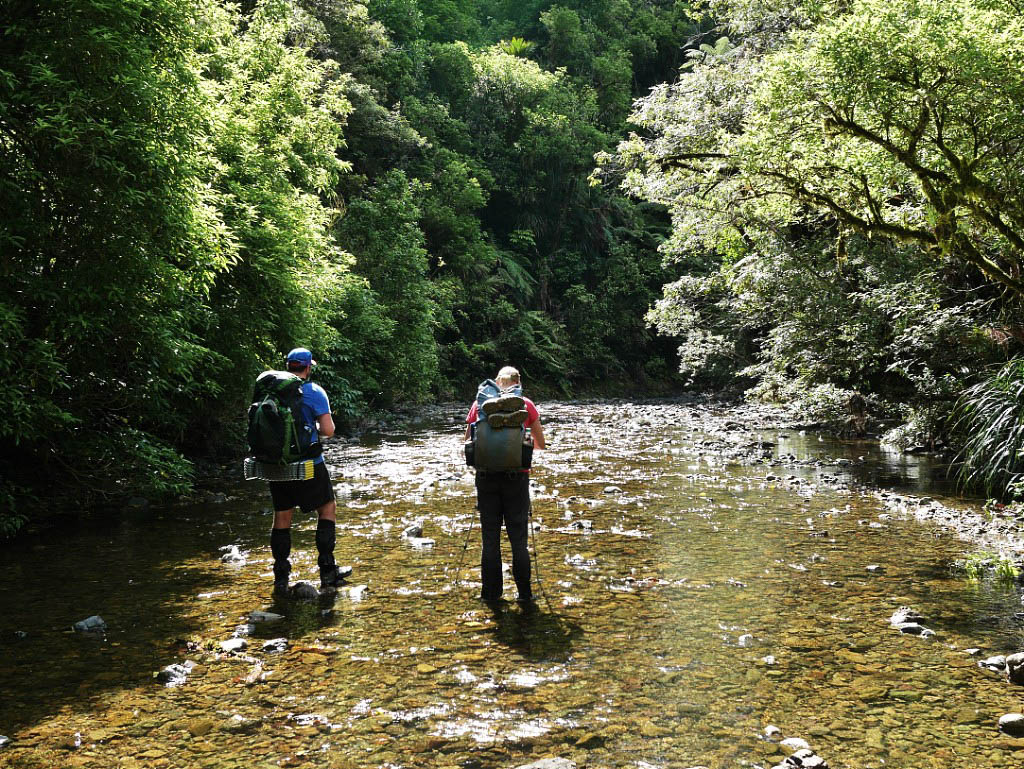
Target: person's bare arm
(325, 425)
(538, 435)
(468, 430)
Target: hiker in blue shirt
(317, 493)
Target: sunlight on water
(687, 602)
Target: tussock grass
(990, 416)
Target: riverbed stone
(232, 555)
(550, 763)
(905, 615)
(91, 625)
(996, 663)
(913, 628)
(265, 616)
(795, 744)
(175, 674)
(588, 741)
(1012, 724)
(4, 741)
(869, 689)
(200, 727)
(233, 645)
(303, 591)
(1015, 668)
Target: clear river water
(687, 602)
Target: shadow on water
(138, 571)
(534, 632)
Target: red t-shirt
(532, 414)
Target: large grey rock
(1012, 724)
(1015, 668)
(4, 741)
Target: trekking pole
(465, 546)
(536, 561)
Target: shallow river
(686, 603)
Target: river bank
(742, 430)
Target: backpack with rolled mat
(498, 441)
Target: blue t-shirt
(314, 404)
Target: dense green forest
(190, 188)
(845, 185)
(813, 201)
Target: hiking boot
(508, 419)
(502, 403)
(334, 576)
(281, 572)
(527, 604)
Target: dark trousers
(504, 497)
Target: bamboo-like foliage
(991, 416)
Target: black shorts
(309, 495)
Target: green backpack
(277, 433)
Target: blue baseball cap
(301, 355)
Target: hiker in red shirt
(503, 492)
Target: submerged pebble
(550, 763)
(264, 616)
